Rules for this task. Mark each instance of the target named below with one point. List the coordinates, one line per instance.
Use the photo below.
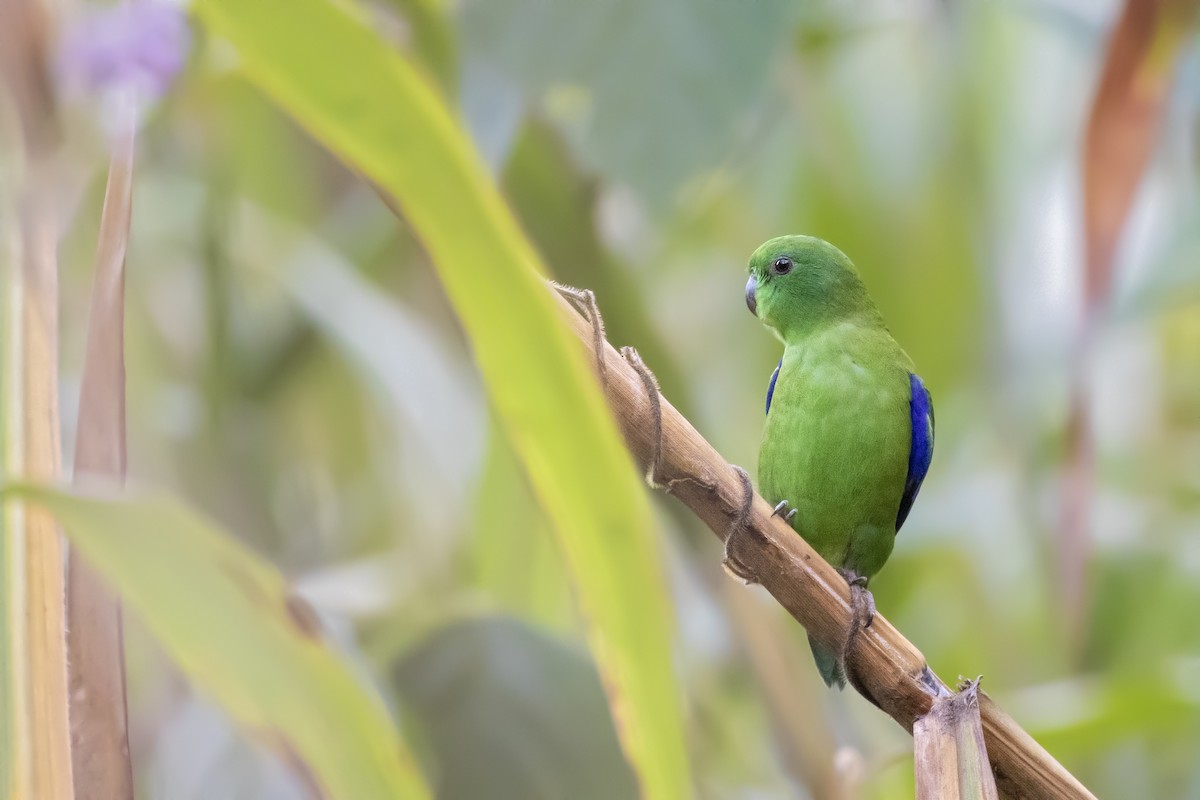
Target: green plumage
(838, 434)
(836, 442)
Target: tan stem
(99, 725)
(43, 683)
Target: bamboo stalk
(15, 756)
(884, 666)
(44, 601)
(37, 760)
(99, 725)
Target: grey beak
(751, 303)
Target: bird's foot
(782, 510)
(861, 599)
(862, 606)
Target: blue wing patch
(920, 452)
(771, 386)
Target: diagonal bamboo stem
(884, 666)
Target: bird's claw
(862, 606)
(860, 596)
(853, 578)
(868, 600)
(780, 510)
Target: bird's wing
(920, 452)
(771, 385)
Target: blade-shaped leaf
(1122, 132)
(229, 621)
(376, 111)
(555, 738)
(1123, 127)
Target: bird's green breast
(836, 442)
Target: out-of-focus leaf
(229, 621)
(198, 755)
(830, 161)
(1122, 131)
(95, 650)
(493, 107)
(1123, 127)
(1170, 281)
(1181, 359)
(513, 555)
(256, 157)
(378, 113)
(512, 713)
(649, 93)
(913, 246)
(422, 380)
(1088, 714)
(1129, 633)
(557, 206)
(790, 690)
(431, 36)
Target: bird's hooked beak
(751, 288)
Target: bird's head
(801, 283)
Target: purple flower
(139, 46)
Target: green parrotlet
(849, 431)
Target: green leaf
(432, 37)
(514, 559)
(555, 739)
(650, 93)
(228, 620)
(558, 206)
(375, 110)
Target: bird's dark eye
(782, 266)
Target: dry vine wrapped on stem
(881, 664)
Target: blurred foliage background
(295, 371)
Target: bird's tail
(828, 664)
